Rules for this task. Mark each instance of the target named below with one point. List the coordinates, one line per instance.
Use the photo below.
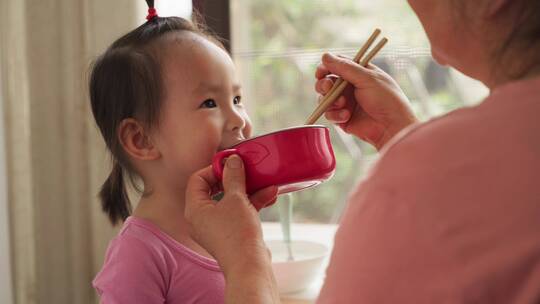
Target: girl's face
(202, 111)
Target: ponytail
(114, 198)
(152, 13)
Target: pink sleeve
(381, 254)
(133, 273)
(378, 256)
(435, 223)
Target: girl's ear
(135, 141)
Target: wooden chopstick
(340, 84)
(333, 95)
(374, 52)
(356, 59)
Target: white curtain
(55, 160)
(6, 292)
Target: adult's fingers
(338, 104)
(338, 116)
(264, 197)
(324, 85)
(271, 203)
(347, 69)
(200, 185)
(234, 179)
(198, 191)
(321, 71)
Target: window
(277, 44)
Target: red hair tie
(151, 13)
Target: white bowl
(299, 274)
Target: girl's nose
(235, 120)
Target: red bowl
(292, 159)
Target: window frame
(217, 17)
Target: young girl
(165, 98)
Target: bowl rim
(277, 131)
(310, 259)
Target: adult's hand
(373, 107)
(230, 231)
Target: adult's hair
(519, 24)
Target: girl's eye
(237, 100)
(209, 103)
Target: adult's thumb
(234, 179)
(346, 69)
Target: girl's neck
(165, 209)
(162, 205)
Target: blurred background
(53, 235)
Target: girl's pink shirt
(450, 213)
(145, 265)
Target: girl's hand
(229, 228)
(373, 107)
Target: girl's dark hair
(125, 82)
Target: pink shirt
(144, 265)
(450, 213)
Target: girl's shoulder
(135, 260)
(135, 267)
(138, 232)
(139, 245)
(142, 255)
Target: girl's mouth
(231, 143)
